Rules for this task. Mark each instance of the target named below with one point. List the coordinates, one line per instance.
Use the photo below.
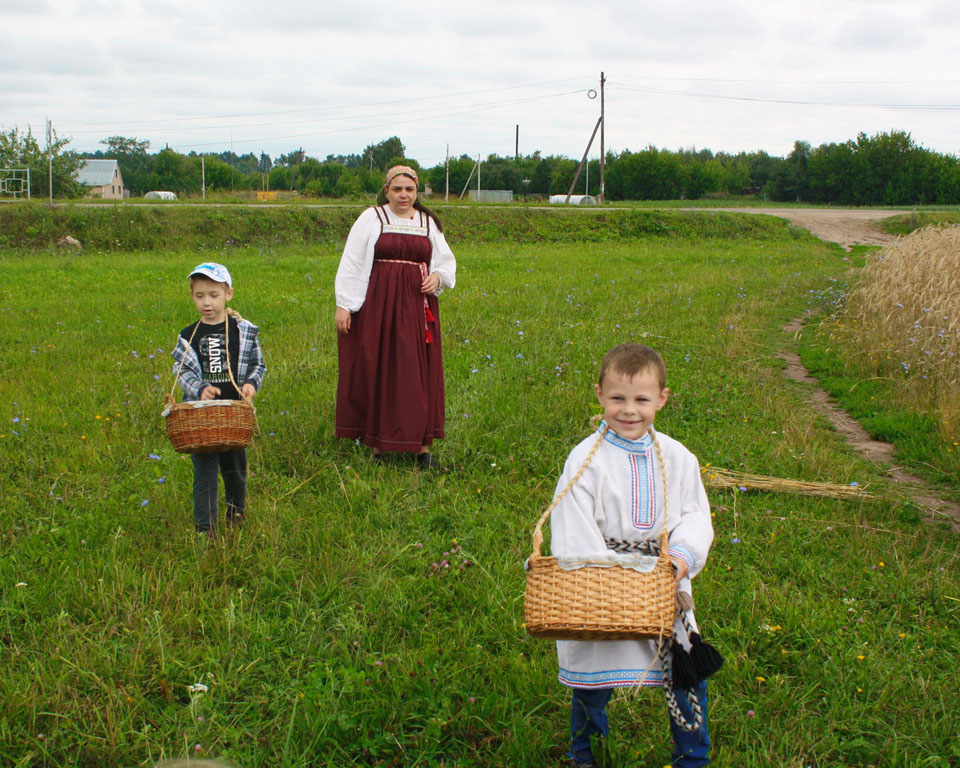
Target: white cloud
(127, 62)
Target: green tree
(460, 168)
(132, 159)
(357, 182)
(21, 150)
(378, 156)
(174, 172)
(790, 181)
(280, 177)
(220, 175)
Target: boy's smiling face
(210, 298)
(630, 403)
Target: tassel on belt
(427, 314)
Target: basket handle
(664, 534)
(226, 341)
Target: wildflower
(144, 502)
(761, 679)
(161, 479)
(16, 419)
(153, 457)
(735, 540)
(861, 657)
(742, 487)
(751, 713)
(197, 688)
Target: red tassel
(429, 337)
(429, 315)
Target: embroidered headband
(399, 170)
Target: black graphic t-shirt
(209, 343)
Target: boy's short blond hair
(631, 359)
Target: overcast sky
(332, 76)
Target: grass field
(372, 615)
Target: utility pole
(516, 149)
(603, 159)
(203, 177)
(469, 178)
(50, 158)
(446, 196)
(478, 177)
(576, 176)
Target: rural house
(103, 178)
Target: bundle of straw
(716, 477)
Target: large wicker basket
(599, 602)
(210, 426)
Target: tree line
(883, 169)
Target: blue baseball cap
(212, 271)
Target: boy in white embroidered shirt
(618, 504)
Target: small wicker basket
(599, 603)
(209, 426)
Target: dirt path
(855, 228)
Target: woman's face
(401, 194)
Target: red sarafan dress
(390, 391)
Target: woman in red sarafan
(396, 261)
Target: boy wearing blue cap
(215, 355)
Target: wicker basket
(599, 603)
(210, 426)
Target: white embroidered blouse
(620, 496)
(356, 262)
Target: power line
(793, 82)
(797, 102)
(491, 104)
(380, 125)
(326, 109)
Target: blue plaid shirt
(250, 369)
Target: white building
(574, 199)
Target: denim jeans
(206, 466)
(588, 717)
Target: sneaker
(207, 533)
(236, 518)
(426, 461)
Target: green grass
(905, 224)
(219, 228)
(322, 630)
